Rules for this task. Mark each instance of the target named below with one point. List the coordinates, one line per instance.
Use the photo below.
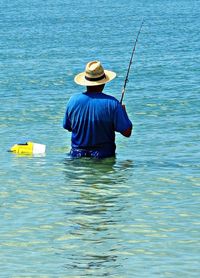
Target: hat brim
(80, 79)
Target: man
(93, 117)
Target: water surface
(136, 215)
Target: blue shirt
(93, 119)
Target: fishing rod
(129, 67)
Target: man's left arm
(67, 122)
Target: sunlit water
(136, 215)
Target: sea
(135, 215)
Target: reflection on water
(85, 217)
(118, 217)
(95, 211)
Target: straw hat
(94, 75)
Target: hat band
(95, 79)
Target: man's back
(93, 119)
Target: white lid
(38, 148)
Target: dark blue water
(133, 216)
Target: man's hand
(124, 107)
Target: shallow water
(135, 215)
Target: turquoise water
(133, 216)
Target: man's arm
(67, 122)
(122, 122)
(127, 132)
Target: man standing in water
(93, 117)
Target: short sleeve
(121, 120)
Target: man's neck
(95, 89)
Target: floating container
(28, 148)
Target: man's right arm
(127, 132)
(122, 122)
